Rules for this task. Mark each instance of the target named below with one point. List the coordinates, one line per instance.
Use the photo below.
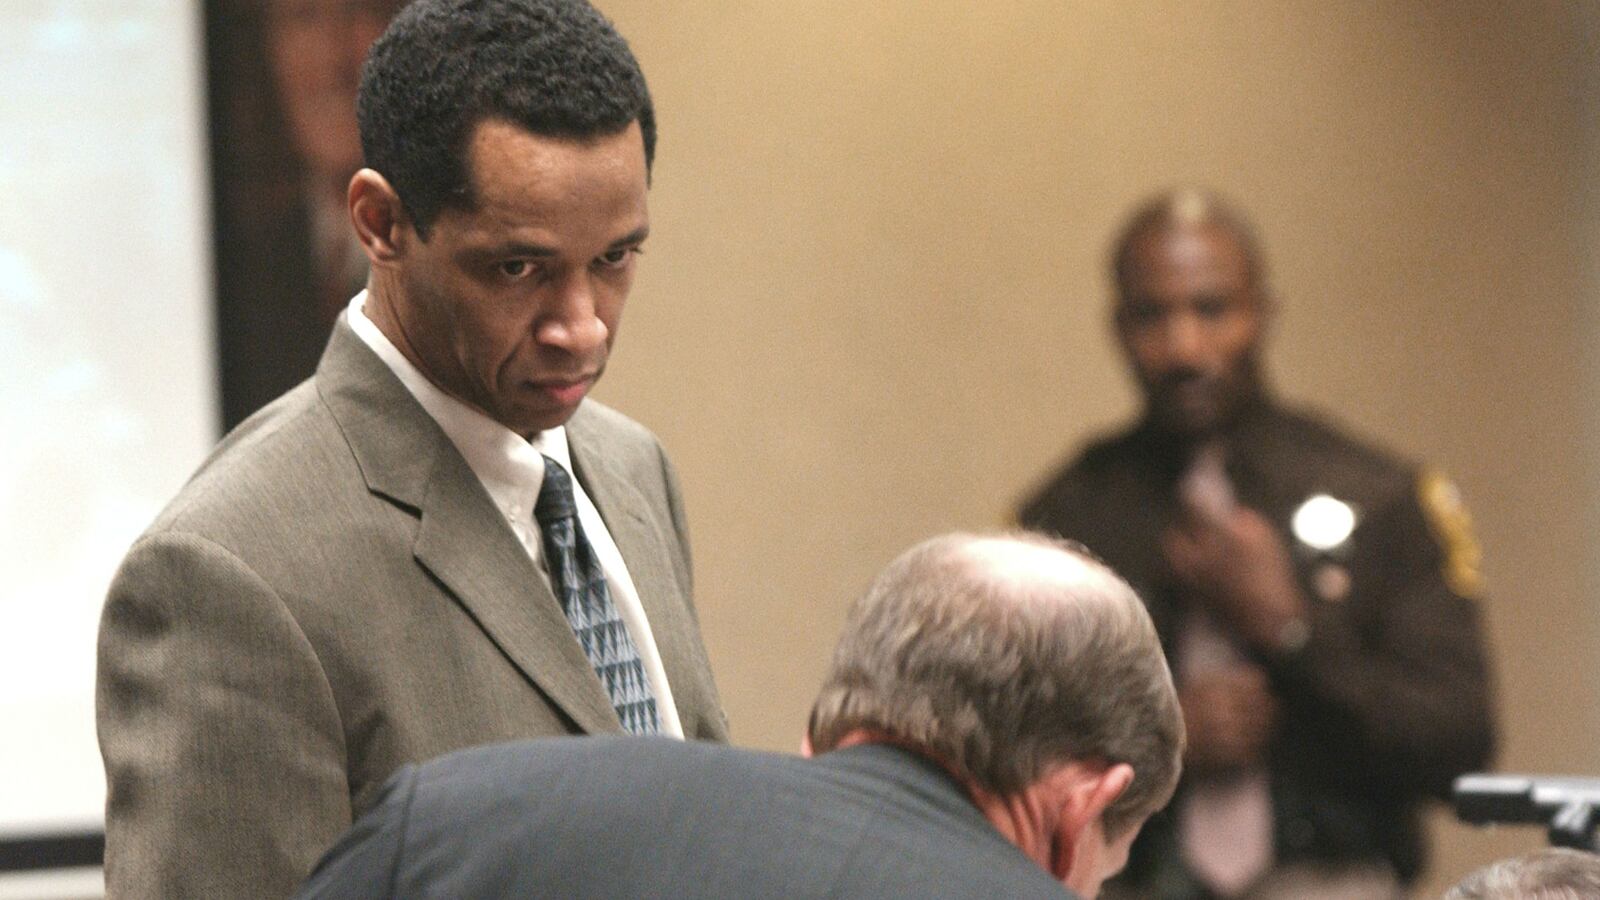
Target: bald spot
(1039, 571)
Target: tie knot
(555, 494)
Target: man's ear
(378, 216)
(1084, 791)
(1120, 326)
(1117, 321)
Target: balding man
(1316, 595)
(1551, 873)
(998, 722)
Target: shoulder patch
(1452, 527)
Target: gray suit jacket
(623, 817)
(333, 595)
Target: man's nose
(572, 322)
(1182, 341)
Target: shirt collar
(510, 467)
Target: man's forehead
(492, 138)
(512, 170)
(1207, 244)
(1187, 251)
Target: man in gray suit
(437, 541)
(998, 721)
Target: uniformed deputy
(1315, 595)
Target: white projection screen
(108, 397)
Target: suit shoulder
(597, 431)
(1078, 476)
(1335, 460)
(596, 420)
(1105, 451)
(262, 464)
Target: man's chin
(529, 420)
(538, 407)
(1187, 422)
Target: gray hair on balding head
(1191, 207)
(1554, 873)
(1004, 657)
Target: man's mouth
(1187, 388)
(1189, 391)
(564, 390)
(1188, 401)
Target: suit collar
(461, 539)
(1168, 456)
(508, 465)
(913, 774)
(395, 443)
(892, 762)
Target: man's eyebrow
(633, 237)
(540, 251)
(514, 248)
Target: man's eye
(515, 268)
(1212, 307)
(614, 259)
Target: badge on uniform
(1452, 528)
(1323, 525)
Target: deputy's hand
(1229, 715)
(1236, 563)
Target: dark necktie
(580, 585)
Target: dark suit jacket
(333, 595)
(1390, 698)
(618, 817)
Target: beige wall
(873, 307)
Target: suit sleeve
(1397, 672)
(223, 749)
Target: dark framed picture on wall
(282, 78)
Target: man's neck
(1019, 818)
(1183, 444)
(379, 310)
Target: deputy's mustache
(1180, 379)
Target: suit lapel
(462, 540)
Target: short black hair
(556, 68)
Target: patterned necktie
(580, 585)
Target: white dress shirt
(512, 471)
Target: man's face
(512, 306)
(1190, 322)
